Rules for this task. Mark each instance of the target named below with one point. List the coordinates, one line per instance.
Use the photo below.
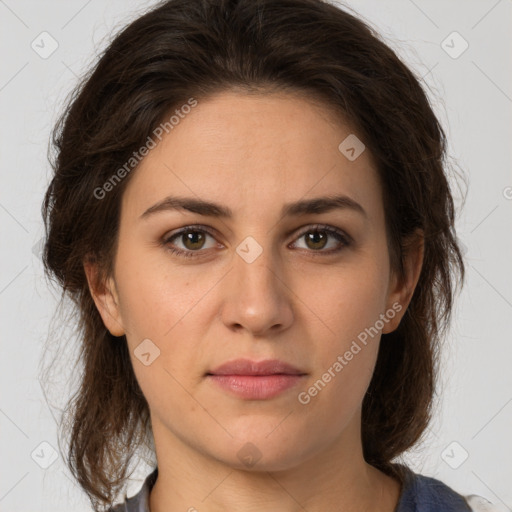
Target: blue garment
(424, 494)
(419, 494)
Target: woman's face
(252, 280)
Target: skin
(294, 302)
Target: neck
(336, 478)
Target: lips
(255, 380)
(248, 367)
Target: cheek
(348, 314)
(344, 301)
(343, 371)
(166, 307)
(156, 296)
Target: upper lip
(248, 367)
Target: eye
(316, 239)
(191, 238)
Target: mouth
(256, 380)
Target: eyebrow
(317, 206)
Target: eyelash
(322, 228)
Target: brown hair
(195, 48)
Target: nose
(256, 297)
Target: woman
(251, 214)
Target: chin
(264, 450)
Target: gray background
(472, 95)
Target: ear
(400, 291)
(105, 296)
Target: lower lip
(256, 387)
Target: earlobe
(105, 296)
(402, 290)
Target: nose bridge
(255, 268)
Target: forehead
(254, 151)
